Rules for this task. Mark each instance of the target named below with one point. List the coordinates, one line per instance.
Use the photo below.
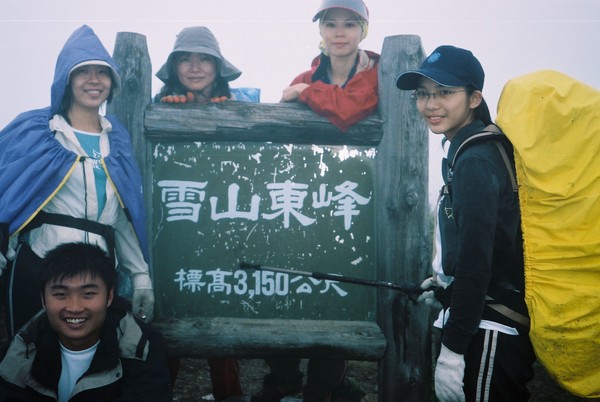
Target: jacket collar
(364, 61)
(33, 357)
(462, 135)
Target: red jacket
(346, 106)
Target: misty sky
(272, 41)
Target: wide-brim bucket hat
(198, 40)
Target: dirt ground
(193, 382)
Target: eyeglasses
(444, 94)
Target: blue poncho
(34, 165)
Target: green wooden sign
(304, 207)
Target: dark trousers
(225, 377)
(322, 376)
(498, 367)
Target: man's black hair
(70, 260)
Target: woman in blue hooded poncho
(68, 175)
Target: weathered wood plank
(131, 56)
(404, 245)
(242, 121)
(403, 248)
(259, 338)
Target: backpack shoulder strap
(509, 168)
(494, 134)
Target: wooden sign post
(278, 185)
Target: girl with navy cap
(485, 353)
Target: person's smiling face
(341, 32)
(446, 109)
(76, 309)
(90, 86)
(196, 71)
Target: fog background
(272, 41)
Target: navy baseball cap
(448, 66)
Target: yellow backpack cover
(553, 121)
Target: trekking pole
(3, 238)
(409, 288)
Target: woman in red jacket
(342, 82)
(341, 86)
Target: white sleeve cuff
(141, 281)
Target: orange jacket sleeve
(346, 106)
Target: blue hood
(82, 45)
(33, 164)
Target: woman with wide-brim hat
(196, 71)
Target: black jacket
(481, 237)
(130, 363)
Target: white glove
(10, 253)
(449, 374)
(142, 304)
(428, 296)
(428, 283)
